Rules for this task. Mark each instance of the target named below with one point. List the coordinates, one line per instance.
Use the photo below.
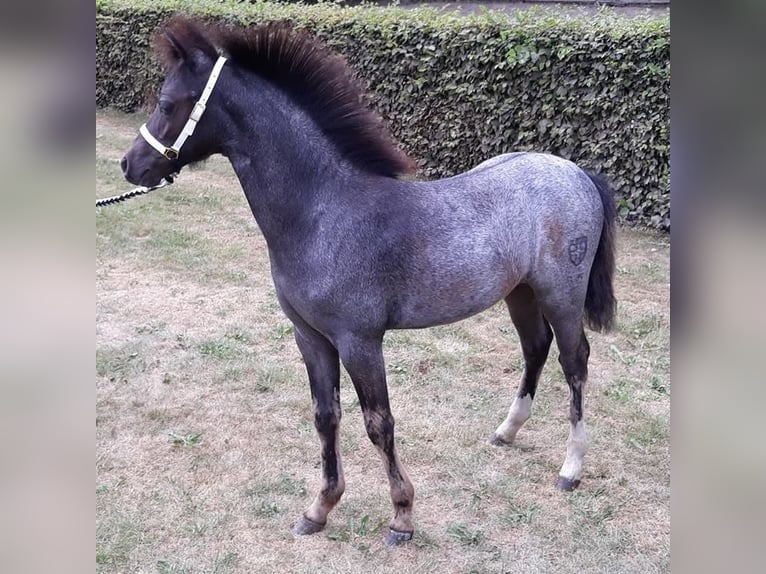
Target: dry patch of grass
(206, 451)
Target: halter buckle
(171, 153)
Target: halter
(196, 113)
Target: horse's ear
(176, 49)
(194, 56)
(184, 41)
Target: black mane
(312, 75)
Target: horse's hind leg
(323, 368)
(574, 351)
(363, 359)
(536, 336)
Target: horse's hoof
(396, 538)
(306, 526)
(567, 484)
(496, 440)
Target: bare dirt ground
(205, 448)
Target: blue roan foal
(355, 250)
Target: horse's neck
(281, 197)
(286, 168)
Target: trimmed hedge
(457, 90)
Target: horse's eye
(166, 107)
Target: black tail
(600, 304)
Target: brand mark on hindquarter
(577, 249)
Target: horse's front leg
(363, 359)
(323, 368)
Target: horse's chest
(306, 282)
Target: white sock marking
(518, 414)
(577, 446)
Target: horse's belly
(430, 307)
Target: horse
(358, 246)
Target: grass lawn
(205, 444)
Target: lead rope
(129, 194)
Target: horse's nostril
(124, 165)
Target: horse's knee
(379, 427)
(326, 420)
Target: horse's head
(166, 143)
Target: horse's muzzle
(140, 170)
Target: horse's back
(535, 191)
(494, 162)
